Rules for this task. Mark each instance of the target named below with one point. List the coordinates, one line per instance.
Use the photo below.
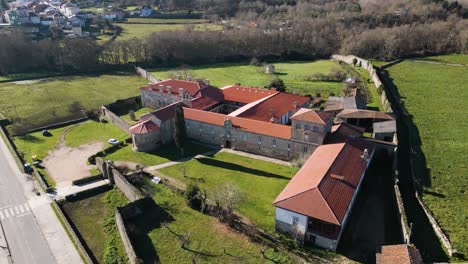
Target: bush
(192, 197)
(278, 84)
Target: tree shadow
(32, 138)
(140, 226)
(237, 167)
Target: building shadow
(237, 167)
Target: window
(306, 137)
(289, 146)
(295, 220)
(244, 137)
(259, 140)
(307, 127)
(298, 126)
(304, 150)
(274, 142)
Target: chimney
(161, 88)
(207, 82)
(296, 104)
(189, 78)
(181, 92)
(365, 155)
(169, 88)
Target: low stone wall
(42, 182)
(72, 233)
(372, 72)
(146, 74)
(131, 192)
(132, 257)
(115, 119)
(402, 214)
(437, 229)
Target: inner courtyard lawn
(210, 240)
(259, 181)
(40, 102)
(436, 97)
(292, 73)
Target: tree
(228, 196)
(354, 61)
(278, 84)
(180, 133)
(191, 196)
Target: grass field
(260, 182)
(164, 154)
(94, 217)
(144, 30)
(93, 131)
(138, 113)
(436, 97)
(40, 102)
(292, 73)
(210, 240)
(452, 58)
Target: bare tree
(228, 196)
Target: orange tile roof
(144, 127)
(316, 191)
(192, 87)
(274, 107)
(245, 95)
(209, 96)
(253, 126)
(310, 115)
(398, 254)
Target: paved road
(26, 241)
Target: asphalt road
(26, 241)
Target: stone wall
(71, 231)
(132, 257)
(372, 72)
(147, 142)
(145, 74)
(131, 192)
(156, 100)
(115, 119)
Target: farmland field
(436, 97)
(292, 73)
(452, 58)
(259, 181)
(41, 102)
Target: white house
(315, 205)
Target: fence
(351, 59)
(146, 74)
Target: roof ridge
(290, 197)
(328, 206)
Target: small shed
(270, 69)
(384, 130)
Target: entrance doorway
(227, 144)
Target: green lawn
(93, 131)
(94, 217)
(164, 154)
(374, 101)
(260, 182)
(210, 240)
(292, 73)
(436, 96)
(452, 58)
(138, 114)
(47, 101)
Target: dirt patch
(65, 164)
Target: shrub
(192, 197)
(278, 84)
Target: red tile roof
(209, 96)
(274, 107)
(324, 187)
(398, 254)
(310, 115)
(191, 87)
(245, 95)
(144, 127)
(253, 126)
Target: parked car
(113, 141)
(28, 168)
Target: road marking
(5, 207)
(26, 206)
(6, 213)
(16, 210)
(21, 215)
(11, 211)
(21, 208)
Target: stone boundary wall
(372, 72)
(115, 119)
(131, 192)
(58, 125)
(72, 233)
(42, 182)
(402, 214)
(437, 229)
(132, 257)
(146, 74)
